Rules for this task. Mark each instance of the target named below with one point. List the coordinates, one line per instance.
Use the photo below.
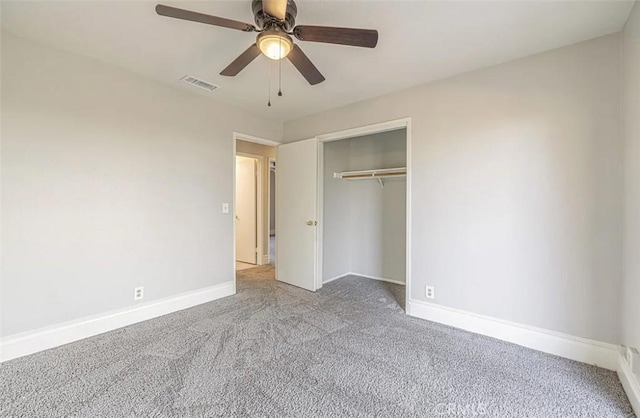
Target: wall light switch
(225, 208)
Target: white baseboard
(575, 348)
(382, 279)
(630, 383)
(335, 278)
(30, 342)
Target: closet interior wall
(364, 231)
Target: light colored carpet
(272, 249)
(243, 266)
(275, 350)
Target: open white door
(296, 202)
(246, 210)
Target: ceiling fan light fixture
(274, 44)
(276, 23)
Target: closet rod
(371, 174)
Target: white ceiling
(419, 41)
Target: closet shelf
(378, 174)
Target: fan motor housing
(265, 21)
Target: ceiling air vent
(199, 83)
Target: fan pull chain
(269, 82)
(280, 70)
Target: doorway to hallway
(254, 205)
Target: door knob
(312, 223)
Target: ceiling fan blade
(275, 8)
(305, 66)
(242, 61)
(367, 38)
(169, 11)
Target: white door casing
(296, 213)
(246, 210)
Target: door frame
(376, 128)
(256, 140)
(269, 160)
(259, 223)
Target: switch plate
(225, 208)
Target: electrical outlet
(431, 292)
(138, 293)
(225, 208)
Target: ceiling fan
(275, 20)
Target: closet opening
(364, 208)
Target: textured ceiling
(419, 41)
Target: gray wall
(109, 182)
(631, 131)
(336, 226)
(364, 224)
(517, 186)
